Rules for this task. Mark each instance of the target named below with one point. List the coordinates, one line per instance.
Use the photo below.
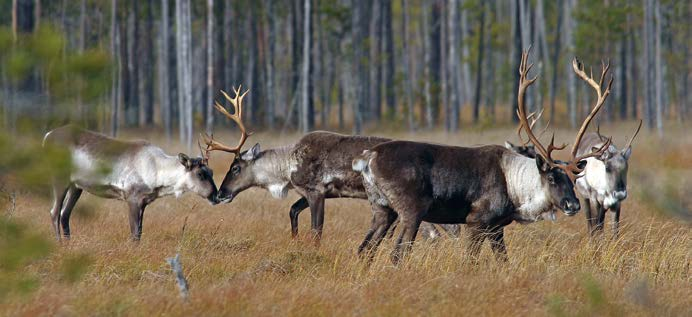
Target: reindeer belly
(448, 212)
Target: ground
(240, 260)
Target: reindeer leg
(616, 221)
(135, 216)
(587, 213)
(317, 214)
(497, 243)
(409, 229)
(600, 217)
(59, 193)
(392, 228)
(382, 220)
(73, 194)
(295, 211)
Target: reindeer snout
(570, 206)
(620, 195)
(224, 197)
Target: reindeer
(485, 187)
(604, 184)
(132, 171)
(317, 167)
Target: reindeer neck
(169, 178)
(273, 167)
(524, 186)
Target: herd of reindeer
(409, 185)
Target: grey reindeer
(485, 187)
(604, 183)
(317, 167)
(136, 172)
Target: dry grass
(240, 260)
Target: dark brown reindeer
(317, 167)
(604, 183)
(485, 187)
(132, 171)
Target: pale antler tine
(629, 143)
(544, 129)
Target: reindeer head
(613, 170)
(239, 176)
(198, 177)
(558, 177)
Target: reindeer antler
(534, 119)
(629, 143)
(578, 68)
(237, 116)
(524, 82)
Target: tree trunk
(306, 114)
(164, 72)
(209, 124)
(455, 95)
(658, 68)
(427, 43)
(146, 69)
(479, 66)
(269, 63)
(435, 49)
(571, 78)
(556, 59)
(184, 70)
(360, 31)
(517, 58)
(116, 75)
(296, 56)
(622, 77)
(388, 59)
(465, 96)
(649, 79)
(408, 85)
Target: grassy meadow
(240, 260)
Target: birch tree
(209, 124)
(164, 60)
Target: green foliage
(600, 25)
(19, 248)
(596, 302)
(42, 60)
(74, 267)
(30, 165)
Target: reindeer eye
(551, 180)
(235, 170)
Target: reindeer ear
(509, 145)
(185, 160)
(627, 152)
(252, 153)
(543, 166)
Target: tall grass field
(239, 258)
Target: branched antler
(237, 116)
(602, 95)
(524, 83)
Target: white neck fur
(273, 170)
(524, 187)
